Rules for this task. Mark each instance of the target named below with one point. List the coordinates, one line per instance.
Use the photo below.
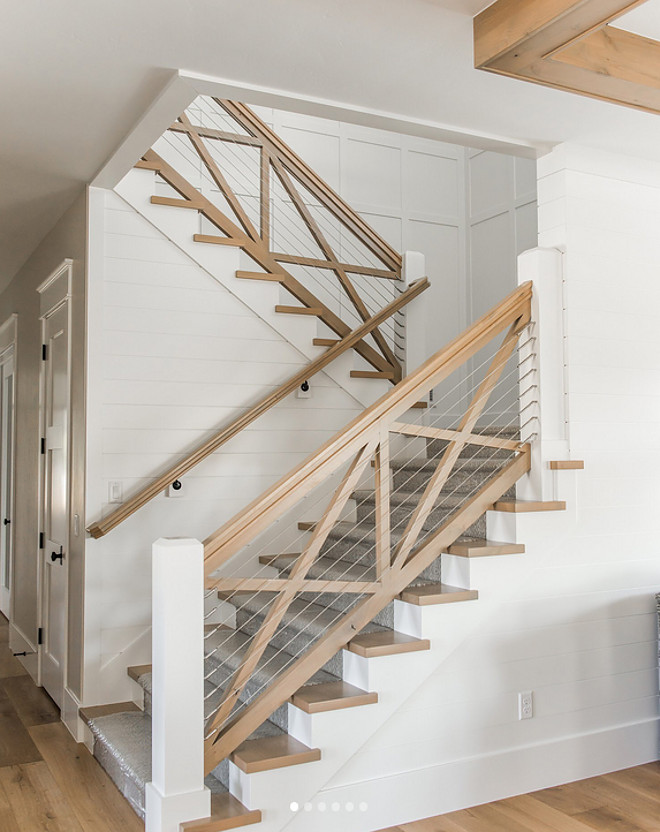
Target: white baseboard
(413, 795)
(20, 643)
(70, 717)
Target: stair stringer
(342, 734)
(221, 262)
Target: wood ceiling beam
(569, 45)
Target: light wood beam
(569, 45)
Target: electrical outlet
(525, 705)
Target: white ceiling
(644, 20)
(75, 77)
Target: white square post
(176, 792)
(544, 267)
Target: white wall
(581, 631)
(173, 354)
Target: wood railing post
(545, 404)
(176, 792)
(416, 352)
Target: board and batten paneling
(581, 630)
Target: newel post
(176, 792)
(544, 267)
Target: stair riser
(401, 514)
(290, 639)
(460, 481)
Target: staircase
(122, 740)
(317, 592)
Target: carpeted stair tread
(224, 656)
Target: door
(6, 476)
(55, 495)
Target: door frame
(54, 293)
(8, 341)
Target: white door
(6, 476)
(55, 492)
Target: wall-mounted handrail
(349, 341)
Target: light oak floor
(48, 782)
(626, 801)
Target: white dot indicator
(294, 806)
(321, 806)
(335, 807)
(308, 807)
(364, 806)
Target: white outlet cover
(525, 704)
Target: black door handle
(58, 555)
(6, 521)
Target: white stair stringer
(222, 262)
(341, 734)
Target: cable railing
(255, 179)
(251, 191)
(370, 534)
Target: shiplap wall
(581, 632)
(172, 354)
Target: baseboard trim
(19, 643)
(70, 710)
(459, 784)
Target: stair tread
(271, 753)
(299, 310)
(137, 670)
(566, 465)
(386, 643)
(479, 548)
(427, 594)
(226, 813)
(520, 506)
(386, 374)
(331, 696)
(92, 712)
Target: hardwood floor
(626, 801)
(47, 780)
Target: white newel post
(177, 792)
(413, 268)
(544, 267)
